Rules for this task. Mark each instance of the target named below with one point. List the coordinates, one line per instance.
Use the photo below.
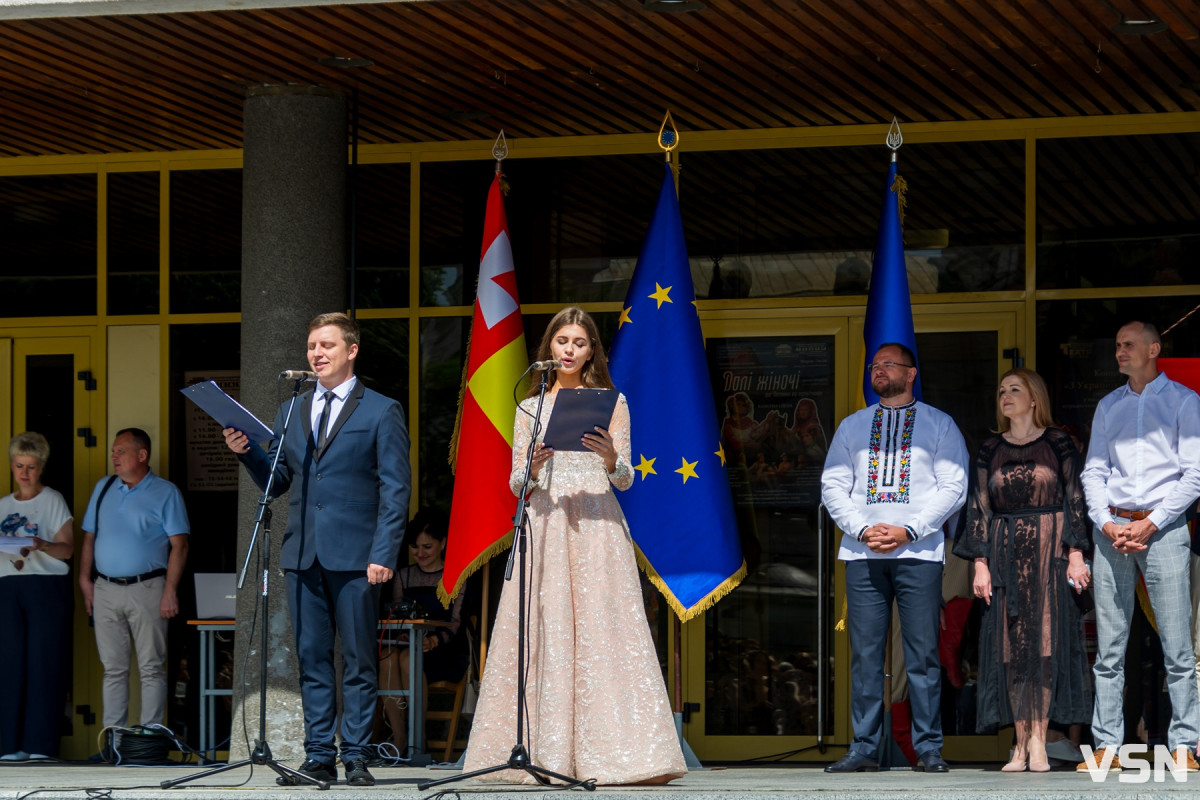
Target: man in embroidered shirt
(894, 473)
(136, 533)
(1141, 474)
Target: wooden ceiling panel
(461, 69)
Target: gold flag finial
(668, 135)
(500, 150)
(894, 137)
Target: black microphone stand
(519, 757)
(262, 751)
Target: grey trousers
(1166, 565)
(129, 621)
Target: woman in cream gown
(597, 707)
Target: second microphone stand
(519, 757)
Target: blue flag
(889, 308)
(680, 508)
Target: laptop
(216, 595)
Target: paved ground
(770, 782)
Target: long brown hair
(594, 373)
(1037, 392)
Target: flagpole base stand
(689, 757)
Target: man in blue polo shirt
(136, 534)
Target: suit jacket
(349, 503)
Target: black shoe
(853, 762)
(356, 772)
(932, 762)
(311, 768)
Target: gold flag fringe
(492, 550)
(900, 188)
(704, 604)
(841, 623)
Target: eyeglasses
(887, 365)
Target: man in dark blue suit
(345, 458)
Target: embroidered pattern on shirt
(890, 456)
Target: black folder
(229, 413)
(576, 412)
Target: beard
(887, 387)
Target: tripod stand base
(518, 759)
(260, 757)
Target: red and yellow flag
(481, 449)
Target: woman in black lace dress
(1026, 532)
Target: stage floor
(771, 782)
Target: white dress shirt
(340, 393)
(1144, 453)
(902, 466)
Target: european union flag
(889, 308)
(679, 509)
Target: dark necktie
(323, 424)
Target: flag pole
(667, 141)
(499, 152)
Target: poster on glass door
(211, 466)
(775, 399)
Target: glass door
(52, 391)
(767, 674)
(760, 678)
(962, 358)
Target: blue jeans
(916, 586)
(1166, 564)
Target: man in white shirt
(1141, 474)
(894, 473)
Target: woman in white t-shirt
(36, 543)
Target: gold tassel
(725, 587)
(840, 627)
(900, 188)
(497, 547)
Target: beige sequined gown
(597, 706)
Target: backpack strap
(108, 485)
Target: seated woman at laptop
(446, 653)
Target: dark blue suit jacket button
(319, 506)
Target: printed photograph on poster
(775, 396)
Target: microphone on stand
(545, 365)
(298, 375)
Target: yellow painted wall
(134, 387)
(133, 401)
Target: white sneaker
(20, 755)
(38, 757)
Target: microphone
(545, 365)
(298, 375)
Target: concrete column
(293, 268)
